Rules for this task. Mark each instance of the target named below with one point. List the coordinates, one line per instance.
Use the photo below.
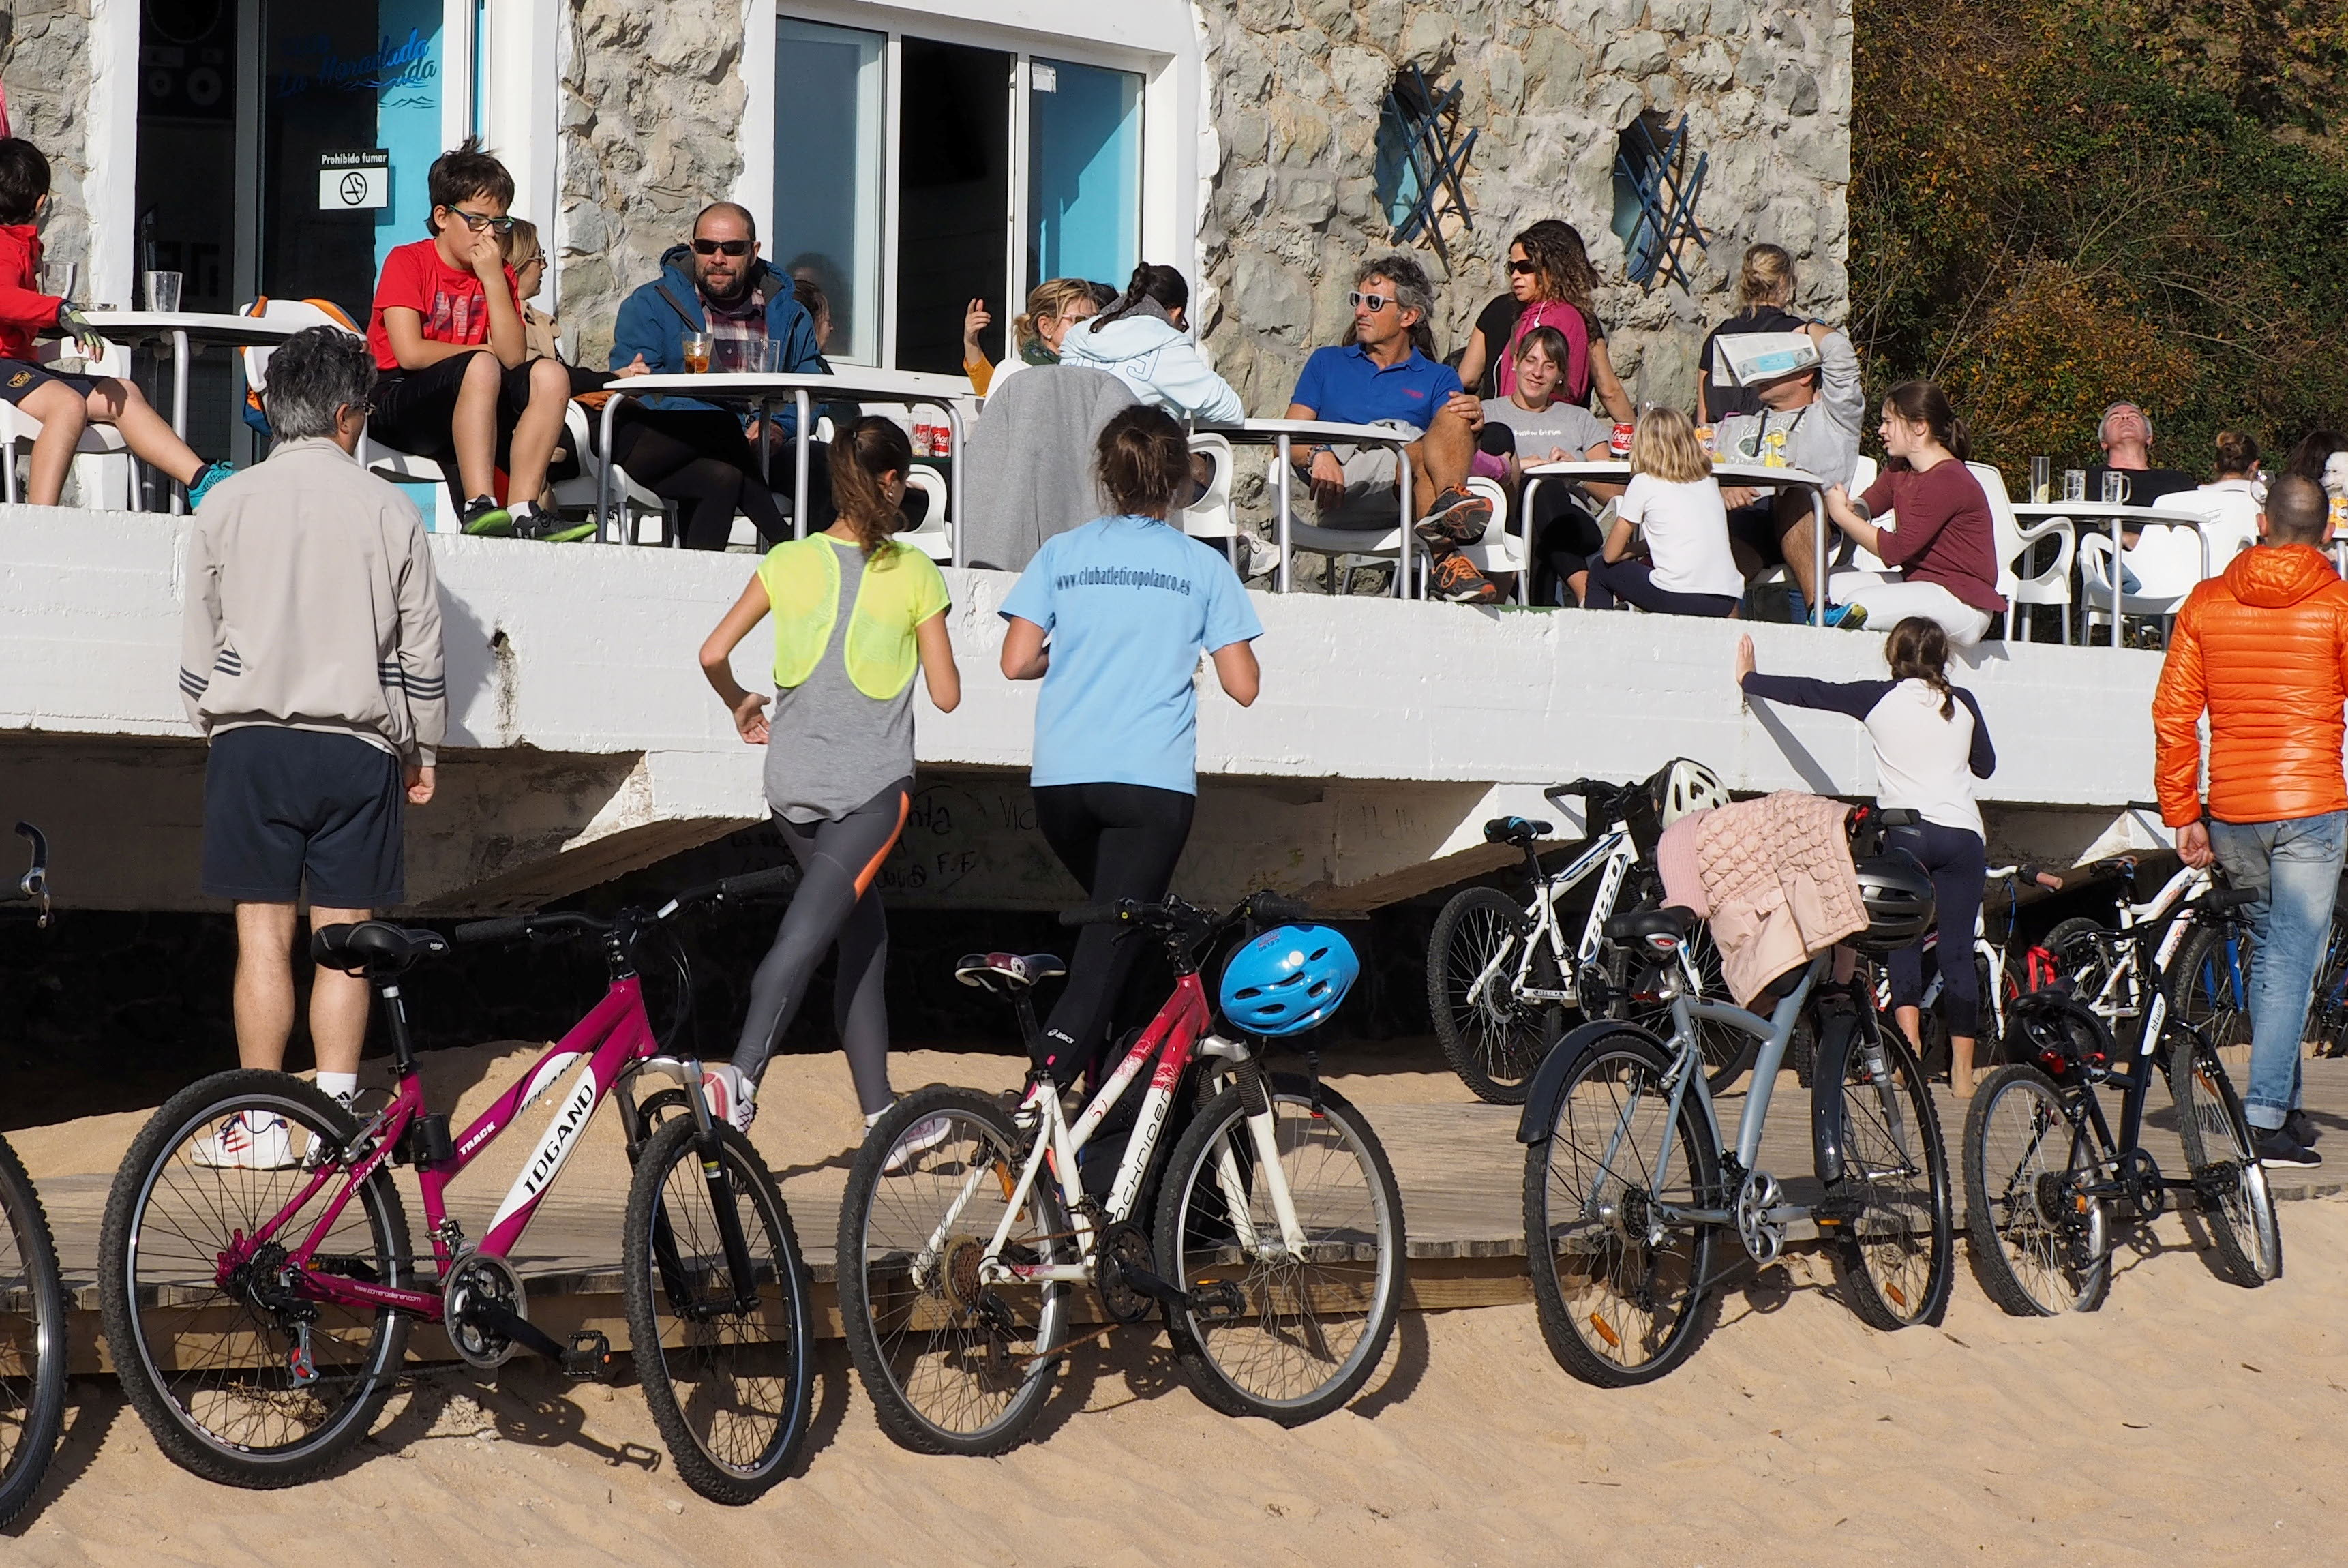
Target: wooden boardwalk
(1460, 1168)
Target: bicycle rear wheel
(1897, 1259)
(1309, 1326)
(2039, 1243)
(957, 1357)
(2208, 984)
(32, 1339)
(1623, 1283)
(207, 1356)
(1494, 1039)
(2229, 1184)
(726, 1358)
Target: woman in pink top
(1938, 537)
(1550, 282)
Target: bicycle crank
(1764, 1236)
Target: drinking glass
(732, 356)
(2115, 489)
(696, 353)
(2041, 470)
(2075, 484)
(163, 292)
(770, 356)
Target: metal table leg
(953, 483)
(1282, 481)
(2117, 640)
(1407, 562)
(805, 433)
(1818, 555)
(179, 410)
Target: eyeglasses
(537, 261)
(723, 247)
(1373, 302)
(1524, 269)
(477, 221)
(361, 409)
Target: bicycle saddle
(1672, 920)
(1007, 972)
(376, 947)
(1515, 831)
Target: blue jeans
(2294, 867)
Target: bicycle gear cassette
(1122, 1246)
(478, 1279)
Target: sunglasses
(1524, 269)
(477, 221)
(1371, 303)
(722, 247)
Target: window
(912, 175)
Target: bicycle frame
(1612, 850)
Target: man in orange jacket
(2264, 650)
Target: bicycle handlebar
(1173, 914)
(510, 928)
(749, 884)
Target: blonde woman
(1052, 307)
(1765, 288)
(1674, 504)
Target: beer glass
(2040, 472)
(2115, 489)
(2075, 484)
(696, 353)
(163, 292)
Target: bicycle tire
(749, 1377)
(1288, 1335)
(2040, 1246)
(33, 1336)
(1493, 1045)
(2208, 988)
(1891, 1146)
(178, 1265)
(916, 1315)
(2243, 1229)
(1621, 1257)
(2088, 965)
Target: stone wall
(45, 50)
(1296, 87)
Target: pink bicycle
(257, 1287)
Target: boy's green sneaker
(484, 519)
(551, 528)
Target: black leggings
(699, 458)
(1633, 583)
(835, 904)
(1119, 840)
(1959, 862)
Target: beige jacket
(1778, 875)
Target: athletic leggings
(1959, 863)
(699, 458)
(1633, 583)
(1119, 840)
(835, 905)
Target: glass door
(829, 148)
(1084, 172)
(954, 198)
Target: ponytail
(860, 456)
(1918, 650)
(1162, 285)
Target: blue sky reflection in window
(1420, 153)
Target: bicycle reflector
(1288, 980)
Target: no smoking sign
(354, 182)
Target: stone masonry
(45, 48)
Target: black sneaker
(1459, 517)
(484, 519)
(2276, 1147)
(2301, 1126)
(551, 528)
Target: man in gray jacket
(1809, 420)
(310, 656)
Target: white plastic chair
(925, 502)
(102, 468)
(1499, 550)
(1207, 516)
(2166, 574)
(1348, 549)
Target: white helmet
(1684, 788)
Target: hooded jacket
(2264, 648)
(1160, 362)
(23, 310)
(653, 321)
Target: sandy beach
(2187, 1420)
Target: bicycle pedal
(1217, 1301)
(589, 1355)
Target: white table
(187, 331)
(766, 388)
(1282, 434)
(2117, 515)
(1749, 475)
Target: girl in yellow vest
(855, 614)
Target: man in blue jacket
(705, 456)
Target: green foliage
(2059, 204)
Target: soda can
(1619, 444)
(942, 440)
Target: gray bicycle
(1628, 1180)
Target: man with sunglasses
(1383, 377)
(459, 386)
(704, 455)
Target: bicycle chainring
(1764, 1237)
(2139, 1178)
(473, 1280)
(1123, 1245)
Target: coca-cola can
(942, 440)
(1620, 444)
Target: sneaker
(483, 518)
(2301, 1126)
(919, 1139)
(1457, 580)
(1850, 617)
(2275, 1147)
(731, 1097)
(249, 1140)
(548, 527)
(1459, 517)
(213, 473)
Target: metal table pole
(179, 408)
(2116, 641)
(1406, 561)
(954, 482)
(604, 519)
(1282, 482)
(1818, 555)
(805, 432)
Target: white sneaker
(248, 1140)
(731, 1097)
(918, 1140)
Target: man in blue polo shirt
(1382, 378)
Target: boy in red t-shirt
(66, 405)
(458, 383)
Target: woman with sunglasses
(1550, 282)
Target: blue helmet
(1289, 979)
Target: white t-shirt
(1686, 530)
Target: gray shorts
(1370, 503)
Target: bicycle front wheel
(2039, 1243)
(1620, 1278)
(1897, 1259)
(724, 1337)
(2229, 1185)
(1494, 1039)
(955, 1338)
(1284, 1328)
(242, 1376)
(32, 1339)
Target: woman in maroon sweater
(1939, 542)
